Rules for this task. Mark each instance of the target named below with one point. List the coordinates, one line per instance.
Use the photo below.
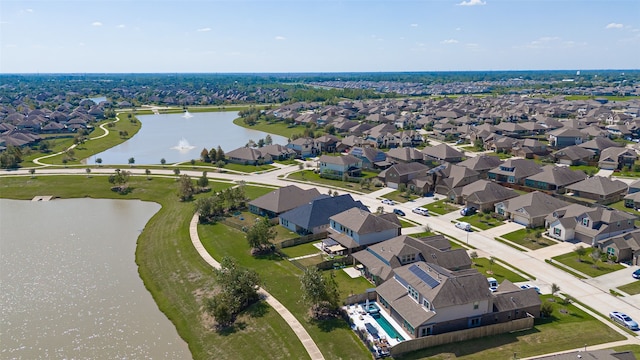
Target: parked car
(529, 286)
(468, 211)
(421, 211)
(398, 212)
(624, 320)
(464, 226)
(388, 202)
(493, 284)
(636, 274)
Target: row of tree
(214, 207)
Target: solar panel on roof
(423, 276)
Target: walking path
(296, 326)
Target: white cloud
(614, 26)
(81, 44)
(121, 26)
(11, 46)
(29, 10)
(458, 29)
(472, 3)
(414, 25)
(204, 29)
(449, 41)
(279, 37)
(96, 23)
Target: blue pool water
(388, 328)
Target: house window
(557, 232)
(409, 327)
(585, 221)
(611, 251)
(426, 304)
(476, 305)
(511, 180)
(426, 331)
(413, 293)
(618, 223)
(474, 322)
(629, 222)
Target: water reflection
(69, 284)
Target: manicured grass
(407, 223)
(278, 128)
(496, 271)
(633, 348)
(528, 239)
(172, 270)
(349, 286)
(300, 250)
(398, 196)
(586, 168)
(471, 148)
(478, 220)
(309, 175)
(90, 147)
(249, 168)
(502, 156)
(281, 279)
(254, 192)
(631, 288)
(556, 333)
(440, 207)
(586, 266)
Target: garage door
(521, 220)
(392, 185)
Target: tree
(212, 155)
(32, 172)
(580, 252)
(239, 287)
(163, 162)
(132, 161)
(318, 291)
(380, 210)
(176, 172)
(193, 162)
(203, 181)
(99, 161)
(185, 188)
(260, 143)
(473, 255)
(119, 178)
(491, 262)
(88, 171)
(268, 140)
(220, 154)
(596, 256)
(204, 155)
(546, 309)
(218, 307)
(148, 173)
(555, 288)
(259, 236)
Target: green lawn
(249, 168)
(281, 279)
(502, 156)
(309, 175)
(349, 286)
(398, 196)
(527, 238)
(300, 250)
(496, 271)
(586, 266)
(174, 273)
(479, 220)
(278, 128)
(440, 207)
(552, 334)
(90, 147)
(632, 288)
(407, 223)
(209, 167)
(586, 168)
(471, 148)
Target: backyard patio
(381, 331)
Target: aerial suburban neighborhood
(402, 224)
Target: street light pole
(467, 238)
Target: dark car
(398, 212)
(636, 274)
(468, 211)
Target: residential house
(601, 189)
(616, 158)
(313, 217)
(564, 137)
(529, 209)
(248, 156)
(482, 194)
(281, 200)
(327, 143)
(409, 138)
(426, 299)
(277, 152)
(622, 248)
(588, 225)
(402, 173)
(554, 178)
(355, 228)
(380, 259)
(304, 147)
(528, 148)
(383, 135)
(405, 154)
(339, 166)
(371, 157)
(514, 171)
(598, 144)
(442, 153)
(632, 200)
(452, 177)
(573, 155)
(499, 144)
(482, 164)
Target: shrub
(546, 309)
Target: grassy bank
(172, 270)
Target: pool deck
(361, 317)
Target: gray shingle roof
(598, 185)
(558, 175)
(284, 199)
(319, 210)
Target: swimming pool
(387, 327)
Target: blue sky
(75, 36)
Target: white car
(388, 202)
(529, 286)
(464, 226)
(421, 211)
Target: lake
(69, 284)
(181, 138)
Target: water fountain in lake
(187, 114)
(183, 146)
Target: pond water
(98, 99)
(181, 137)
(69, 284)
